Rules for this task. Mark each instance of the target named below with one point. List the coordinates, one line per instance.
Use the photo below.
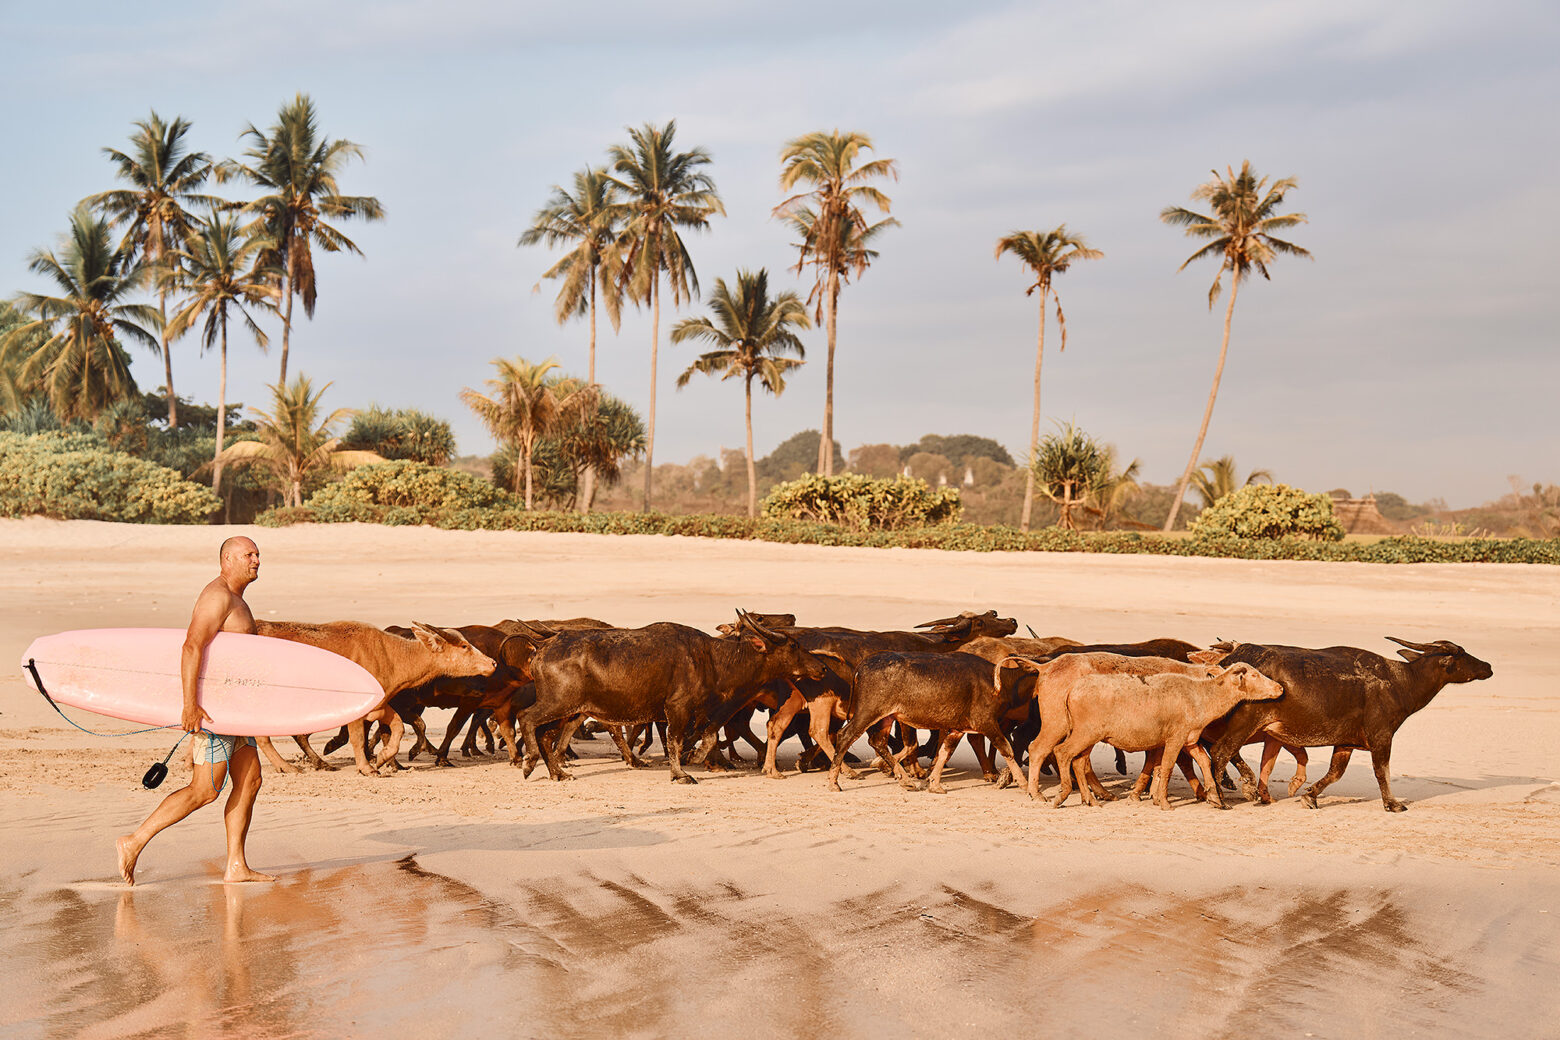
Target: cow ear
(429, 636)
(1410, 655)
(757, 643)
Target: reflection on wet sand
(381, 945)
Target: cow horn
(1438, 647)
(748, 620)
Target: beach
(619, 904)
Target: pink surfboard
(251, 686)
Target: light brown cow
(396, 662)
(1055, 679)
(1140, 713)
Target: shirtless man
(220, 608)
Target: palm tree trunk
(1034, 424)
(826, 438)
(655, 343)
(528, 449)
(216, 462)
(752, 473)
(287, 323)
(1213, 394)
(587, 483)
(173, 404)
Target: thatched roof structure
(1360, 516)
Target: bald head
(238, 545)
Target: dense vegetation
(79, 476)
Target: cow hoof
(1105, 796)
(1166, 806)
(563, 776)
(776, 775)
(1005, 781)
(1395, 806)
(322, 766)
(368, 771)
(684, 779)
(1308, 800)
(1248, 791)
(937, 788)
(1295, 785)
(443, 763)
(989, 778)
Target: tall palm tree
(834, 233)
(296, 168)
(753, 334)
(663, 190)
(1046, 254)
(582, 218)
(73, 354)
(220, 275)
(1245, 215)
(165, 180)
(526, 406)
(295, 442)
(1216, 478)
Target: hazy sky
(1416, 353)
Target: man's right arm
(211, 610)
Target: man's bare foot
(126, 859)
(237, 874)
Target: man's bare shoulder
(220, 604)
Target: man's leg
(205, 782)
(238, 812)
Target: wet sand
(453, 900)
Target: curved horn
(1424, 648)
(748, 620)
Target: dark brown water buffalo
(665, 671)
(847, 648)
(949, 693)
(1344, 697)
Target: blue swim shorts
(214, 748)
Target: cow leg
(1340, 762)
(420, 728)
(390, 756)
(675, 736)
(533, 751)
(1044, 745)
(338, 741)
(1121, 762)
(275, 757)
(1089, 776)
(853, 730)
(314, 760)
(506, 727)
(1145, 775)
(819, 715)
(441, 757)
(1200, 755)
(1080, 772)
(547, 738)
(1298, 780)
(988, 768)
(359, 751)
(1184, 763)
(779, 721)
(1065, 754)
(468, 747)
(1161, 788)
(625, 749)
(949, 742)
(1013, 773)
(1380, 756)
(907, 754)
(1269, 756)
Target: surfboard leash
(38, 682)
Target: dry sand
(445, 901)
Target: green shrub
(863, 503)
(402, 493)
(77, 476)
(1269, 511)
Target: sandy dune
(619, 904)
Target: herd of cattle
(1044, 700)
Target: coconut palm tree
(1240, 227)
(165, 180)
(72, 349)
(295, 168)
(1046, 254)
(526, 406)
(662, 190)
(834, 234)
(582, 218)
(1216, 478)
(295, 443)
(753, 334)
(218, 269)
